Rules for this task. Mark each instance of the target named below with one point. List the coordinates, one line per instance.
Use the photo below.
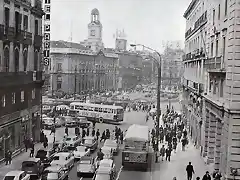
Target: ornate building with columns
(211, 82)
(76, 69)
(20, 73)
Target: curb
(16, 153)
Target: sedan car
(63, 159)
(91, 143)
(107, 151)
(48, 123)
(16, 175)
(86, 167)
(59, 122)
(80, 152)
(45, 155)
(112, 144)
(83, 122)
(72, 141)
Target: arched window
(16, 60)
(6, 60)
(25, 60)
(35, 66)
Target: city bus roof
(137, 133)
(96, 105)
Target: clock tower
(95, 31)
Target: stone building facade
(76, 69)
(211, 88)
(20, 73)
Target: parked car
(112, 144)
(91, 143)
(81, 151)
(46, 156)
(63, 159)
(16, 175)
(33, 167)
(86, 167)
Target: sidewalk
(177, 166)
(17, 161)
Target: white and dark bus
(97, 112)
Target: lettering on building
(46, 44)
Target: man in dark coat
(206, 176)
(168, 154)
(190, 171)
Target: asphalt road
(129, 118)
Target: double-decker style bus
(97, 112)
(136, 151)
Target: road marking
(81, 178)
(119, 172)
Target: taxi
(63, 159)
(16, 175)
(113, 145)
(72, 141)
(105, 173)
(108, 152)
(80, 151)
(54, 173)
(91, 143)
(107, 163)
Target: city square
(117, 90)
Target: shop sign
(46, 33)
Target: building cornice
(190, 8)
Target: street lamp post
(159, 80)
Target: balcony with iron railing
(197, 25)
(11, 34)
(214, 64)
(25, 2)
(196, 54)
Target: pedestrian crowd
(172, 133)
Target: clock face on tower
(92, 32)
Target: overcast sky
(149, 22)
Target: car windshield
(88, 141)
(110, 143)
(56, 158)
(81, 148)
(85, 162)
(41, 154)
(52, 176)
(102, 177)
(48, 121)
(9, 177)
(104, 164)
(29, 164)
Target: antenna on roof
(71, 31)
